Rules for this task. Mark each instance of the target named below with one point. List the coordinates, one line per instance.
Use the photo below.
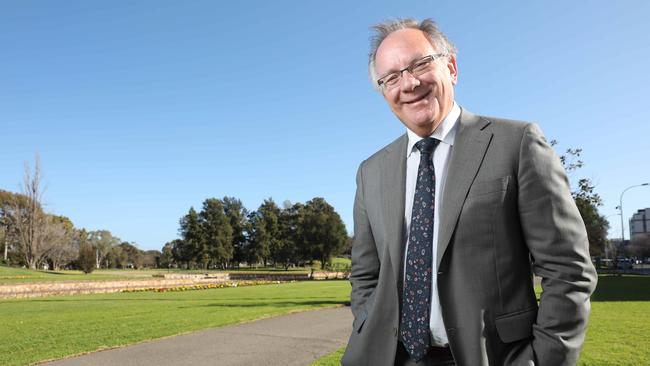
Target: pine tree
(217, 233)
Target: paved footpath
(295, 339)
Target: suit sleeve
(557, 240)
(365, 262)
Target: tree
(28, 219)
(587, 201)
(4, 239)
(167, 256)
(6, 200)
(323, 230)
(257, 249)
(265, 235)
(217, 233)
(291, 240)
(86, 259)
(78, 239)
(131, 256)
(596, 225)
(60, 234)
(103, 241)
(237, 216)
(191, 232)
(51, 235)
(177, 249)
(117, 258)
(8, 216)
(270, 213)
(151, 259)
(640, 246)
(347, 250)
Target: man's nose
(409, 82)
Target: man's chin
(422, 122)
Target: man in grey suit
(451, 221)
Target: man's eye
(421, 66)
(391, 79)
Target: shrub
(86, 258)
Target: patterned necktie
(414, 322)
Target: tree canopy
(587, 201)
(225, 233)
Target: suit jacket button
(395, 331)
(440, 272)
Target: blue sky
(141, 109)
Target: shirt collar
(445, 132)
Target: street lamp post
(620, 206)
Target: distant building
(640, 223)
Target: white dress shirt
(445, 132)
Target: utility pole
(620, 207)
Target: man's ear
(453, 69)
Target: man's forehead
(402, 47)
(404, 38)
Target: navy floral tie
(414, 322)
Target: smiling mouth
(419, 98)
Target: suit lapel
(393, 187)
(469, 149)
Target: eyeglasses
(416, 68)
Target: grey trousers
(435, 357)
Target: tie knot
(426, 145)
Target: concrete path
(295, 339)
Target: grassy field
(10, 275)
(618, 334)
(49, 328)
(619, 325)
(333, 359)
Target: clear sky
(141, 109)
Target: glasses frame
(409, 68)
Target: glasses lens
(391, 80)
(421, 66)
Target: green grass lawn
(9, 275)
(48, 328)
(333, 359)
(619, 325)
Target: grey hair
(427, 26)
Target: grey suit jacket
(507, 213)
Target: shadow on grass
(622, 288)
(280, 304)
(56, 273)
(243, 302)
